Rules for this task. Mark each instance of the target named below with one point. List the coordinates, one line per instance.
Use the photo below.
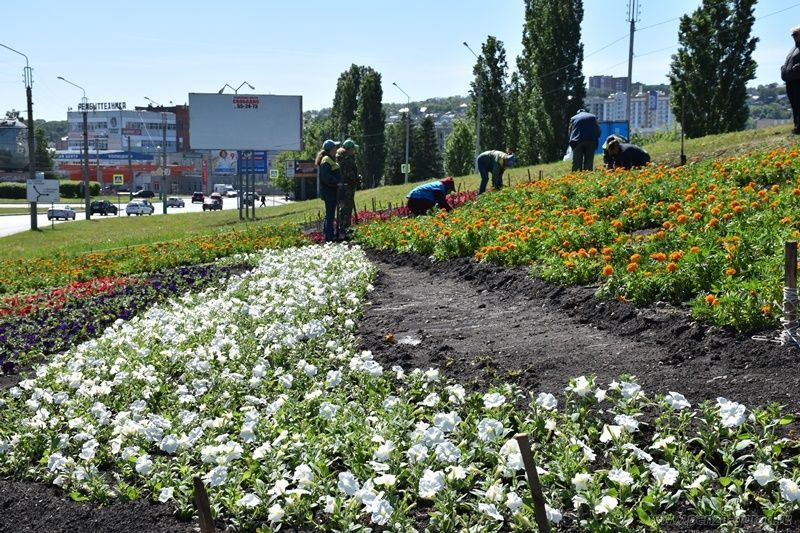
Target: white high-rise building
(650, 111)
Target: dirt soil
(482, 323)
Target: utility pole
(130, 170)
(634, 10)
(85, 166)
(477, 109)
(28, 78)
(408, 126)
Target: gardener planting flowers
(423, 198)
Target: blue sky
(165, 50)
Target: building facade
(110, 129)
(650, 110)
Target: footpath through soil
(480, 323)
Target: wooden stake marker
(533, 480)
(790, 281)
(203, 507)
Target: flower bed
(710, 234)
(54, 321)
(18, 276)
(259, 389)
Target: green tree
(459, 149)
(551, 76)
(345, 102)
(514, 112)
(43, 155)
(710, 71)
(490, 84)
(369, 128)
(55, 129)
(395, 152)
(425, 156)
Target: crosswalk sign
(119, 179)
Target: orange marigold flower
(676, 256)
(713, 223)
(592, 251)
(694, 249)
(672, 267)
(616, 224)
(607, 250)
(635, 258)
(697, 216)
(632, 267)
(658, 256)
(730, 271)
(682, 218)
(710, 299)
(608, 270)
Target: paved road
(10, 224)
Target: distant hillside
(438, 105)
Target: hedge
(67, 188)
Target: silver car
(175, 202)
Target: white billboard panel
(245, 121)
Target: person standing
(346, 157)
(329, 179)
(790, 73)
(496, 162)
(422, 199)
(584, 133)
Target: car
(198, 197)
(175, 202)
(60, 211)
(212, 204)
(144, 194)
(139, 207)
(249, 198)
(232, 194)
(103, 207)
(216, 196)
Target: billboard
(254, 162)
(619, 127)
(245, 122)
(224, 162)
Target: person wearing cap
(496, 162)
(346, 157)
(626, 155)
(423, 198)
(584, 133)
(329, 179)
(790, 73)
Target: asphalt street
(10, 224)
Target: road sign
(159, 170)
(290, 168)
(43, 191)
(405, 168)
(273, 173)
(119, 179)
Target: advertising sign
(253, 161)
(619, 127)
(305, 168)
(205, 173)
(245, 122)
(131, 131)
(224, 162)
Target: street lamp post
(236, 90)
(477, 112)
(408, 125)
(28, 77)
(85, 166)
(163, 154)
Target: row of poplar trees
(529, 111)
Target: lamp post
(408, 125)
(163, 154)
(85, 168)
(28, 78)
(236, 90)
(477, 112)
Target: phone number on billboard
(245, 102)
(245, 106)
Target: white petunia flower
(491, 510)
(327, 411)
(456, 393)
(166, 494)
(431, 400)
(286, 380)
(731, 413)
(348, 483)
(638, 452)
(553, 515)
(417, 453)
(581, 481)
(430, 483)
(333, 378)
(610, 433)
(276, 514)
(447, 452)
(630, 390)
(216, 476)
(447, 422)
(144, 465)
(664, 474)
(580, 386)
(789, 490)
(677, 401)
(384, 451)
(547, 401)
(431, 375)
(513, 502)
(496, 493)
(456, 473)
(386, 480)
(763, 474)
(493, 399)
(490, 429)
(617, 475)
(381, 511)
(628, 423)
(303, 476)
(169, 444)
(606, 505)
(249, 500)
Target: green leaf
(78, 497)
(644, 518)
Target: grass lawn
(83, 236)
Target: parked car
(212, 204)
(143, 194)
(198, 197)
(139, 207)
(103, 207)
(60, 211)
(175, 202)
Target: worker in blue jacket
(423, 198)
(496, 162)
(329, 179)
(584, 134)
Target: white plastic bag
(568, 155)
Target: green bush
(13, 191)
(74, 189)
